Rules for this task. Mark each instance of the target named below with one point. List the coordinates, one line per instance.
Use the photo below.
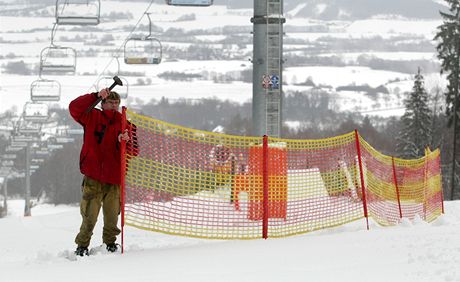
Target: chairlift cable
(121, 46)
(53, 33)
(65, 3)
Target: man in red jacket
(100, 165)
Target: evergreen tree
(449, 53)
(415, 132)
(448, 49)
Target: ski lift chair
(18, 144)
(8, 163)
(52, 147)
(198, 3)
(64, 139)
(37, 160)
(29, 128)
(13, 149)
(23, 138)
(58, 60)
(75, 131)
(141, 50)
(42, 152)
(78, 12)
(6, 128)
(5, 171)
(19, 174)
(9, 156)
(35, 112)
(44, 90)
(33, 168)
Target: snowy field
(35, 249)
(25, 38)
(15, 92)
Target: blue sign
(270, 82)
(275, 82)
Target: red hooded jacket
(100, 154)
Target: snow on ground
(11, 23)
(34, 249)
(397, 56)
(341, 76)
(296, 10)
(379, 27)
(15, 92)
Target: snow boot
(82, 251)
(112, 247)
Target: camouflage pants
(95, 195)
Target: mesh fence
(397, 188)
(202, 184)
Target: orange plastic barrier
(251, 182)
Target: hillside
(215, 44)
(351, 9)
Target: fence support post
(265, 187)
(438, 160)
(396, 185)
(425, 182)
(122, 175)
(363, 190)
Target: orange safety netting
(202, 184)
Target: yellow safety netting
(202, 184)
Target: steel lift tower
(267, 61)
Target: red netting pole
(425, 183)
(438, 165)
(442, 200)
(397, 188)
(265, 186)
(358, 149)
(438, 159)
(123, 172)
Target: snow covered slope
(34, 249)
